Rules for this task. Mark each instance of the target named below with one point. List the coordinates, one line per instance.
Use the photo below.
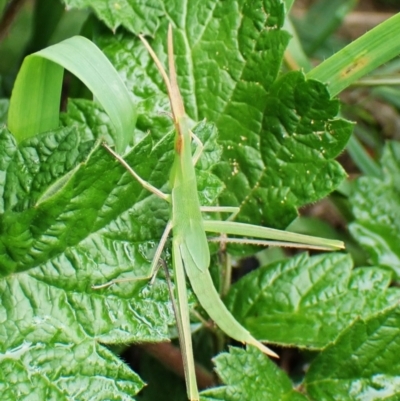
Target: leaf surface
(307, 301)
(250, 376)
(70, 217)
(376, 207)
(136, 16)
(279, 134)
(73, 217)
(362, 364)
(65, 370)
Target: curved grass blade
(34, 104)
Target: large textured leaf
(376, 207)
(307, 301)
(52, 367)
(279, 136)
(250, 376)
(70, 217)
(137, 16)
(362, 364)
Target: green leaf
(292, 162)
(307, 301)
(362, 364)
(143, 80)
(136, 16)
(250, 375)
(64, 370)
(54, 235)
(279, 136)
(376, 207)
(71, 216)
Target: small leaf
(307, 301)
(362, 364)
(376, 207)
(250, 375)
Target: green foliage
(71, 216)
(37, 89)
(55, 232)
(376, 207)
(268, 128)
(361, 364)
(296, 291)
(250, 377)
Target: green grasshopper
(190, 251)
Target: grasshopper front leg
(153, 268)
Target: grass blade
(365, 54)
(34, 104)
